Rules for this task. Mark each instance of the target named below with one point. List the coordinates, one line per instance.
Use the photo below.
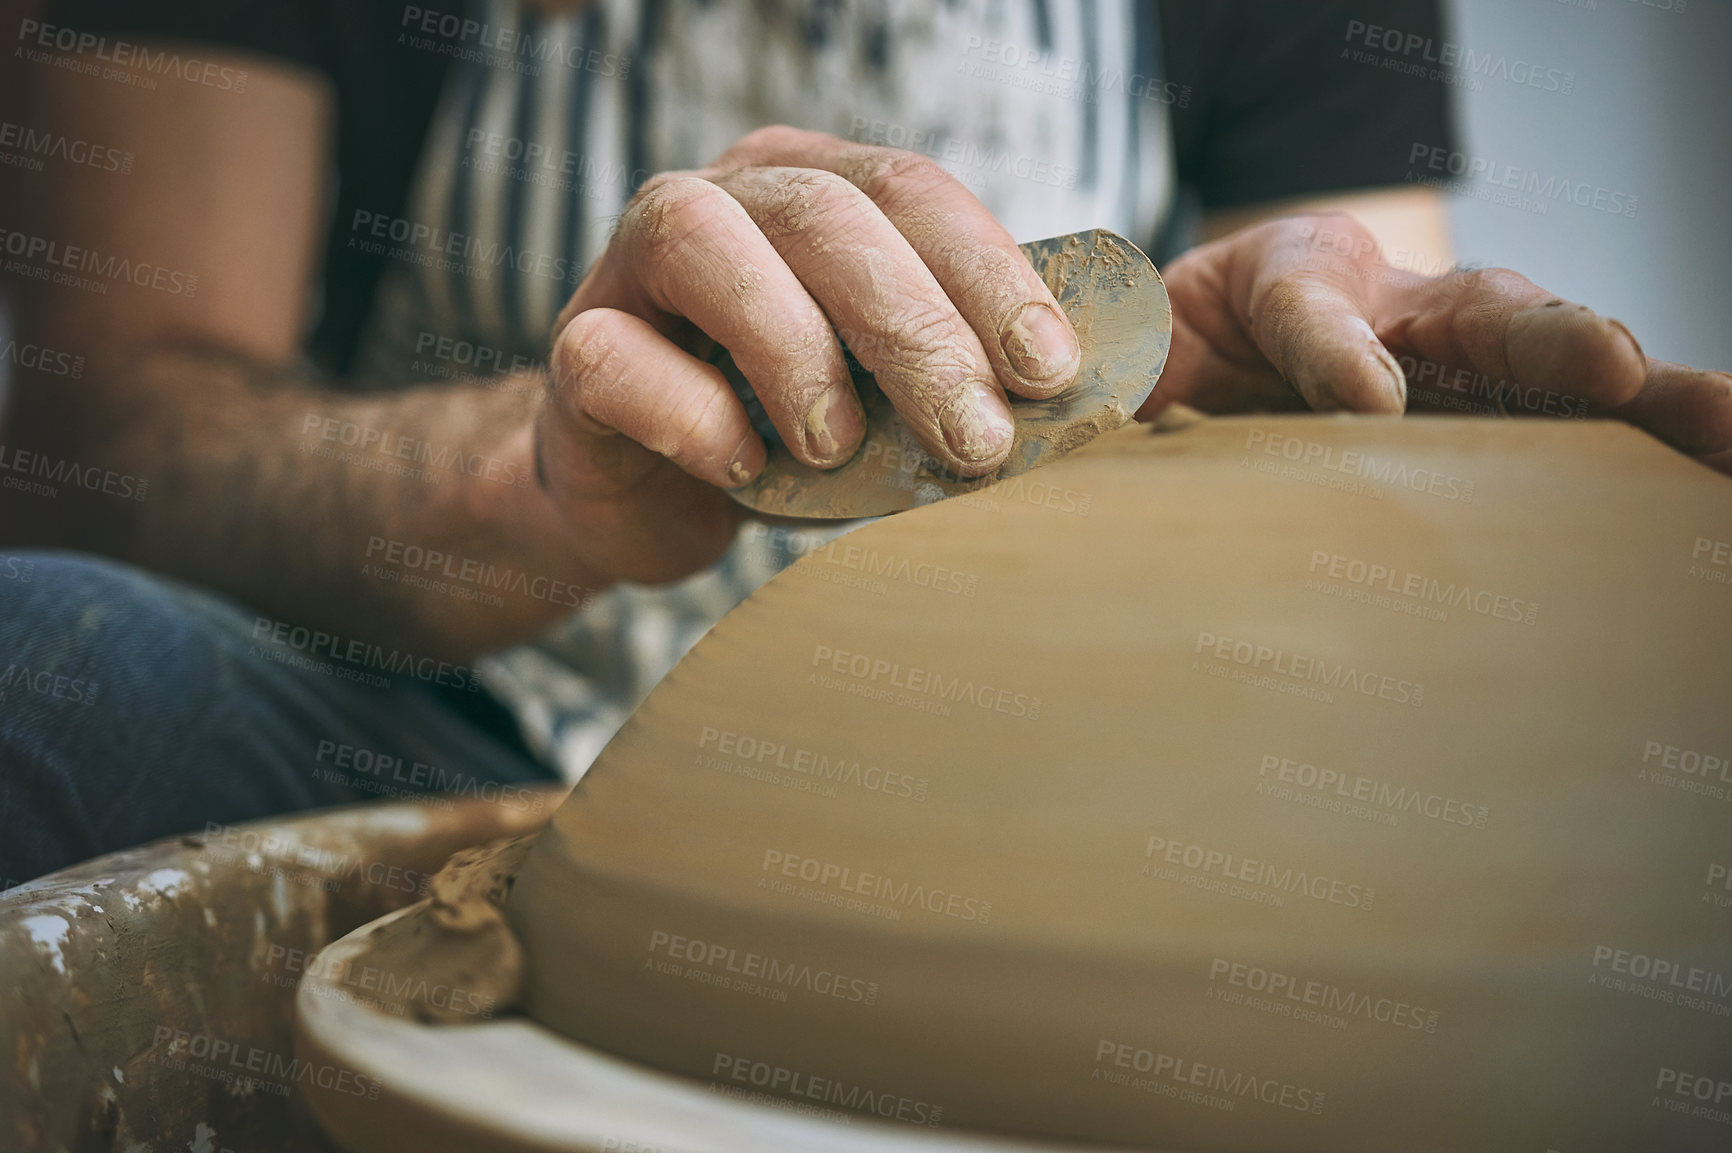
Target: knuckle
(1292, 303)
(887, 174)
(805, 358)
(1332, 235)
(589, 372)
(683, 430)
(772, 138)
(1300, 284)
(1291, 296)
(868, 345)
(927, 326)
(587, 348)
(806, 198)
(648, 194)
(1496, 282)
(994, 272)
(1335, 220)
(925, 344)
(657, 180)
(1480, 304)
(664, 218)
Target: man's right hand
(787, 239)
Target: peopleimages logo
(35, 145)
(48, 38)
(484, 575)
(1695, 1085)
(926, 687)
(38, 358)
(749, 749)
(876, 886)
(1322, 995)
(258, 851)
(977, 158)
(1666, 971)
(1203, 861)
(1719, 877)
(377, 444)
(247, 1066)
(350, 654)
(1196, 1075)
(1302, 668)
(1365, 466)
(51, 471)
(545, 165)
(1717, 552)
(1443, 163)
(1373, 575)
(1333, 784)
(369, 231)
(1064, 77)
(1690, 762)
(379, 770)
(43, 682)
(1418, 55)
(352, 979)
(470, 356)
(779, 1079)
(465, 38)
(82, 263)
(782, 973)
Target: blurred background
(1649, 117)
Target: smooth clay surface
(1274, 784)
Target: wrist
(511, 566)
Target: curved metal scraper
(1116, 300)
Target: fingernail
(1039, 343)
(744, 464)
(1629, 336)
(1397, 379)
(1392, 367)
(976, 424)
(831, 426)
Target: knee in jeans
(67, 618)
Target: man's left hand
(1305, 312)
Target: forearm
(410, 517)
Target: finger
(897, 319)
(1688, 408)
(635, 512)
(1306, 309)
(1030, 342)
(1503, 325)
(613, 374)
(633, 515)
(693, 252)
(1213, 364)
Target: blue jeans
(134, 707)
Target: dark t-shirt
(1270, 100)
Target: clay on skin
(1118, 306)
